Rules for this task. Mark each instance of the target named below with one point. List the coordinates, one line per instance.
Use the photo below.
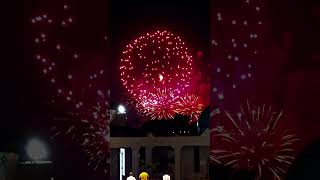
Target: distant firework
(190, 105)
(156, 70)
(96, 139)
(89, 127)
(253, 140)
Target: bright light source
(160, 77)
(166, 177)
(121, 109)
(36, 150)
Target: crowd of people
(145, 176)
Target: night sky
(25, 92)
(130, 19)
(294, 82)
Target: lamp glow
(166, 177)
(121, 109)
(36, 150)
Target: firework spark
(253, 140)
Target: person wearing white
(131, 177)
(166, 177)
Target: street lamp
(121, 109)
(37, 164)
(36, 150)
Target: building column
(149, 155)
(135, 160)
(8, 164)
(177, 162)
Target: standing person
(144, 176)
(166, 177)
(131, 177)
(306, 165)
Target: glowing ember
(160, 77)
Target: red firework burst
(190, 105)
(156, 70)
(158, 105)
(253, 140)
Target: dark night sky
(14, 78)
(294, 83)
(129, 19)
(23, 91)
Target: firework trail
(253, 139)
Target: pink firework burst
(158, 105)
(156, 71)
(253, 140)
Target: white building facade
(182, 146)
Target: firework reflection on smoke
(253, 140)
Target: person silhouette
(306, 165)
(144, 176)
(166, 177)
(131, 177)
(242, 175)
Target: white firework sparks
(253, 140)
(89, 127)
